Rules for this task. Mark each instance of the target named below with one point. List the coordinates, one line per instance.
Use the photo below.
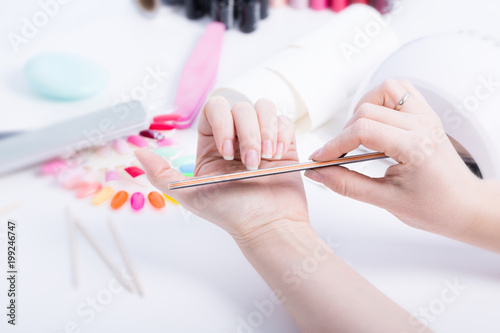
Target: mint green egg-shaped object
(63, 76)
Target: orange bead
(156, 199)
(119, 199)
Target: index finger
(216, 121)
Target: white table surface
(195, 278)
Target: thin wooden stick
(273, 171)
(72, 247)
(103, 255)
(125, 256)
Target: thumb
(352, 184)
(159, 172)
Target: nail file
(197, 79)
(66, 137)
(273, 171)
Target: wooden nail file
(273, 171)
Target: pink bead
(134, 171)
(71, 182)
(167, 142)
(339, 5)
(318, 4)
(112, 175)
(138, 141)
(54, 167)
(88, 189)
(137, 201)
(121, 146)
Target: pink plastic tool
(197, 79)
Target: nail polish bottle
(249, 15)
(222, 11)
(264, 5)
(195, 8)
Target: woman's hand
(228, 141)
(431, 188)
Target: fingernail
(267, 148)
(280, 147)
(316, 153)
(252, 160)
(317, 177)
(228, 150)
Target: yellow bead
(103, 195)
(171, 200)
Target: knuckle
(364, 110)
(406, 83)
(361, 126)
(390, 85)
(341, 186)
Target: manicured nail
(252, 160)
(316, 153)
(267, 149)
(228, 150)
(280, 148)
(317, 177)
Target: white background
(194, 276)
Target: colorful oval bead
(166, 151)
(156, 199)
(167, 142)
(112, 175)
(121, 146)
(134, 171)
(54, 167)
(137, 201)
(87, 189)
(103, 195)
(172, 200)
(187, 168)
(184, 160)
(119, 199)
(138, 141)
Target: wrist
(272, 232)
